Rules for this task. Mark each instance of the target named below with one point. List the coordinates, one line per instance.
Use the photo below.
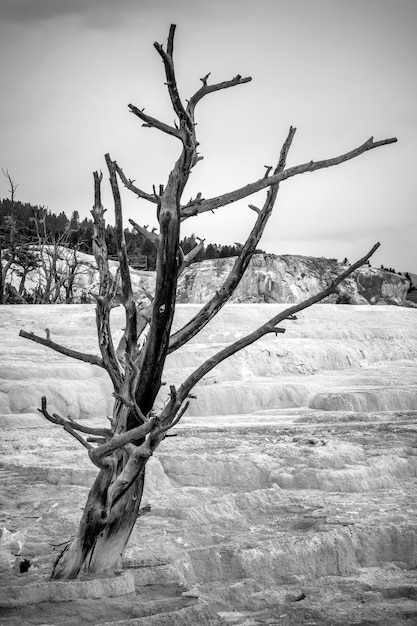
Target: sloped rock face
(291, 278)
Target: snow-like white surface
(334, 357)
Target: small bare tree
(8, 237)
(137, 427)
(58, 263)
(16, 257)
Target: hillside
(268, 279)
(292, 278)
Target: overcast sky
(340, 71)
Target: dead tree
(58, 263)
(8, 237)
(137, 427)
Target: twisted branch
(57, 419)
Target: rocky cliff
(292, 278)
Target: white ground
(287, 497)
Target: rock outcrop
(269, 278)
(292, 278)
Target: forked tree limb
(206, 89)
(80, 356)
(213, 306)
(155, 350)
(238, 194)
(167, 58)
(269, 327)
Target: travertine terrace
(296, 505)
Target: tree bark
(102, 535)
(104, 531)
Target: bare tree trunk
(112, 506)
(103, 532)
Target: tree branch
(119, 441)
(170, 44)
(129, 184)
(268, 327)
(131, 404)
(233, 196)
(206, 89)
(56, 419)
(104, 433)
(167, 58)
(188, 258)
(81, 356)
(149, 235)
(130, 332)
(175, 421)
(227, 289)
(99, 237)
(135, 465)
(107, 291)
(152, 122)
